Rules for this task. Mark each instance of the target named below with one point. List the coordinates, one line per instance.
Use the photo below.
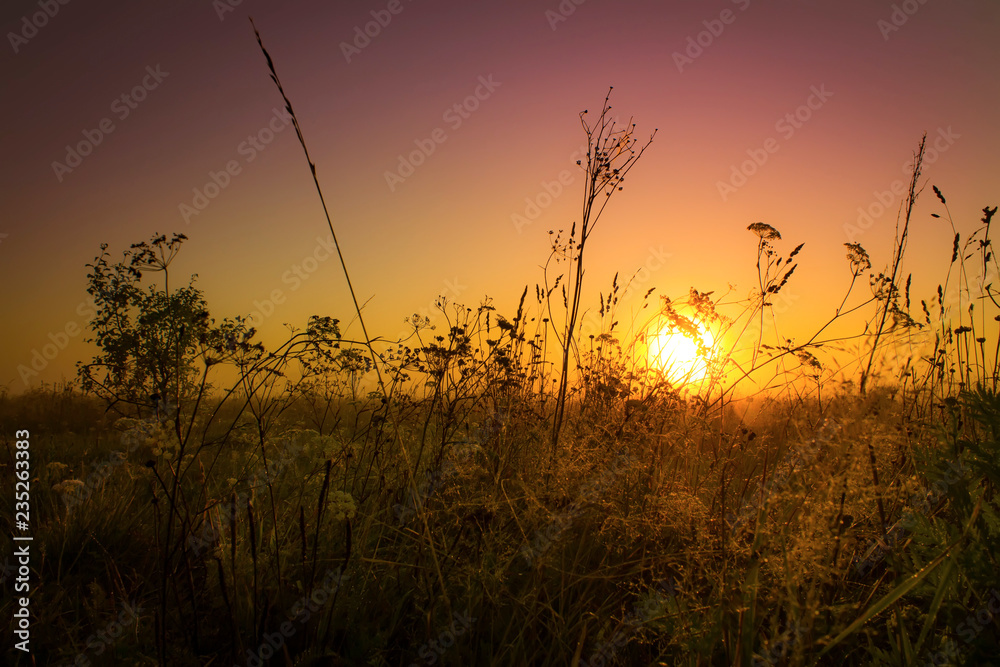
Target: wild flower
(764, 231)
(68, 486)
(858, 256)
(56, 467)
(342, 506)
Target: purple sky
(198, 99)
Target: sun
(680, 355)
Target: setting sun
(679, 354)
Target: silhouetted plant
(886, 286)
(149, 338)
(611, 154)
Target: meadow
(531, 488)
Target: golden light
(682, 356)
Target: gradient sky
(448, 227)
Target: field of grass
(661, 535)
(511, 490)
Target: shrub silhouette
(149, 338)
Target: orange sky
(797, 114)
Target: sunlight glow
(679, 355)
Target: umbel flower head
(68, 486)
(858, 256)
(56, 467)
(764, 231)
(342, 506)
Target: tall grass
(784, 509)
